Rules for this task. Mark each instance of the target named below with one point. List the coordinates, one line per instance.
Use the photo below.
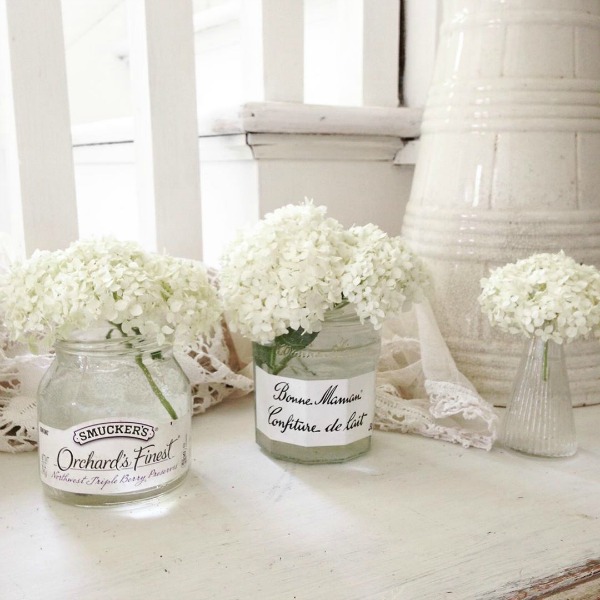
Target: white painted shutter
(273, 50)
(166, 130)
(40, 199)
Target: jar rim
(90, 342)
(345, 313)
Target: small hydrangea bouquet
(546, 295)
(108, 285)
(279, 279)
(549, 296)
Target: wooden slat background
(42, 206)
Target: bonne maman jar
(316, 404)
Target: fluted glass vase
(539, 416)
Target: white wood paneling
(260, 156)
(368, 34)
(422, 19)
(273, 57)
(164, 98)
(41, 189)
(381, 52)
(168, 213)
(349, 23)
(350, 120)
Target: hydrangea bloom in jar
(311, 296)
(114, 408)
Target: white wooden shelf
(415, 519)
(256, 157)
(273, 117)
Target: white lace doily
(213, 367)
(20, 374)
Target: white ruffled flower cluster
(382, 277)
(296, 264)
(546, 295)
(105, 281)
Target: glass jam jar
(114, 421)
(316, 404)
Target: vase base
(99, 500)
(565, 452)
(311, 455)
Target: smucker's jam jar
(114, 421)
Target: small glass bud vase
(114, 421)
(539, 416)
(315, 402)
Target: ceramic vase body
(539, 417)
(507, 167)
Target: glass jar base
(524, 448)
(312, 455)
(99, 500)
(538, 420)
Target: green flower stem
(157, 392)
(291, 342)
(155, 388)
(545, 361)
(305, 367)
(276, 369)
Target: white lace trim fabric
(420, 390)
(19, 378)
(213, 368)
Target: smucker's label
(322, 412)
(113, 456)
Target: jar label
(321, 412)
(106, 457)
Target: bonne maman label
(322, 412)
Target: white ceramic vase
(508, 166)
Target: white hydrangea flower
(382, 276)
(546, 295)
(54, 294)
(296, 264)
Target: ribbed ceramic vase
(508, 166)
(539, 417)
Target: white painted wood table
(415, 519)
